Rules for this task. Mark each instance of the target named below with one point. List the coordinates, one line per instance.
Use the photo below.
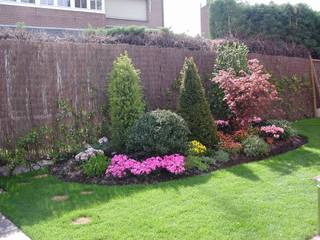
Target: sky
(184, 15)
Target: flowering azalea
(272, 131)
(122, 164)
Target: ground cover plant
(271, 199)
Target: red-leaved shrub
(228, 144)
(250, 94)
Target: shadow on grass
(29, 201)
(288, 163)
(244, 172)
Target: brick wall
(204, 13)
(34, 75)
(42, 17)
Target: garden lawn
(272, 199)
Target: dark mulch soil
(70, 171)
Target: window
(28, 1)
(127, 9)
(64, 3)
(81, 3)
(95, 4)
(46, 2)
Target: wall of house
(35, 74)
(45, 17)
(204, 13)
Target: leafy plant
(71, 129)
(95, 166)
(158, 133)
(240, 135)
(221, 156)
(232, 56)
(198, 162)
(254, 146)
(193, 106)
(250, 94)
(289, 130)
(228, 144)
(125, 99)
(218, 105)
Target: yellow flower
(197, 148)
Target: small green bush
(218, 105)
(125, 100)
(232, 55)
(221, 156)
(158, 133)
(289, 130)
(194, 108)
(200, 163)
(95, 166)
(254, 146)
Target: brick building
(79, 14)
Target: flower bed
(153, 171)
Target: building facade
(79, 14)
(204, 11)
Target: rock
(21, 169)
(81, 221)
(2, 191)
(103, 140)
(4, 171)
(87, 154)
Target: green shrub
(95, 166)
(158, 133)
(289, 130)
(218, 105)
(254, 146)
(232, 55)
(194, 108)
(125, 99)
(221, 156)
(200, 163)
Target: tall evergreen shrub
(125, 99)
(193, 106)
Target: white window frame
(55, 6)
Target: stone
(81, 221)
(4, 171)
(87, 154)
(2, 191)
(60, 198)
(41, 176)
(9, 231)
(103, 140)
(84, 193)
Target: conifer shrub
(193, 106)
(160, 132)
(126, 103)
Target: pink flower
(122, 164)
(222, 123)
(272, 131)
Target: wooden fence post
(313, 82)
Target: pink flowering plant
(249, 94)
(223, 126)
(272, 131)
(121, 165)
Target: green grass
(273, 199)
